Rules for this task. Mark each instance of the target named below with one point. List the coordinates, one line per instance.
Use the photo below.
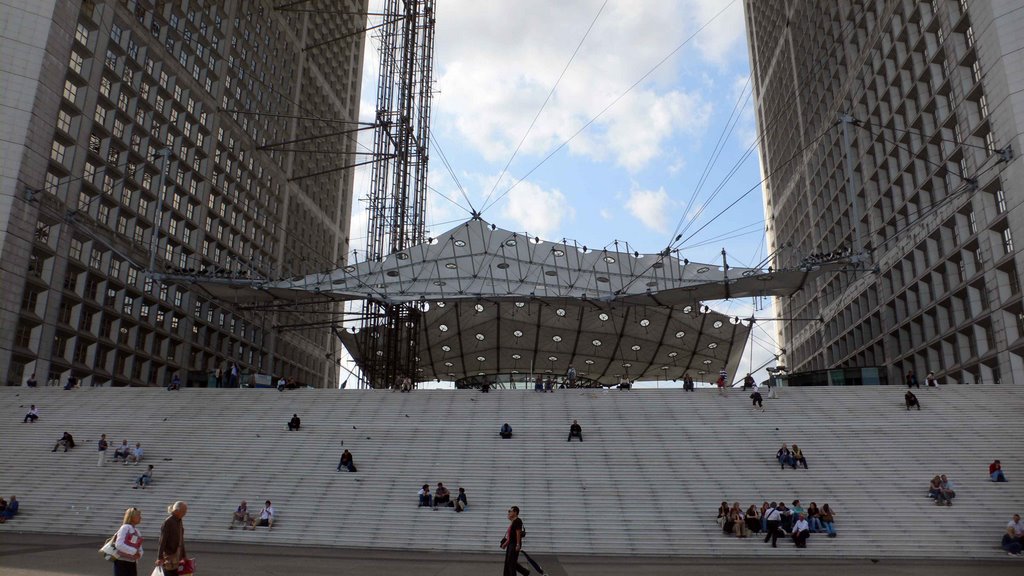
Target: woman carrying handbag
(128, 544)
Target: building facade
(246, 113)
(926, 182)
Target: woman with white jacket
(128, 542)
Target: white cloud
(606, 214)
(536, 210)
(497, 61)
(650, 207)
(724, 36)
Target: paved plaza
(65, 555)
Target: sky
(626, 120)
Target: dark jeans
(801, 461)
(505, 435)
(292, 426)
(349, 465)
(31, 417)
(512, 564)
(576, 434)
(800, 538)
(442, 500)
(125, 568)
(773, 532)
(427, 500)
(1011, 544)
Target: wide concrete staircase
(647, 480)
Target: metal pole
(846, 120)
(158, 216)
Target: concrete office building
(936, 94)
(92, 94)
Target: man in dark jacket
(172, 539)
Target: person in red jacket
(995, 472)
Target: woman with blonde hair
(128, 542)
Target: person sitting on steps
(145, 479)
(506, 431)
(995, 472)
(240, 516)
(442, 496)
(266, 517)
(67, 441)
(425, 498)
(294, 423)
(801, 531)
(346, 462)
(575, 430)
(784, 456)
(911, 400)
(798, 456)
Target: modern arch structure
(491, 301)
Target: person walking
(128, 542)
(172, 539)
(773, 519)
(513, 544)
(101, 448)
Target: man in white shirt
(1013, 540)
(136, 455)
(801, 531)
(266, 517)
(32, 416)
(123, 451)
(773, 518)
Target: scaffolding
(398, 187)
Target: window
(105, 86)
(129, 305)
(972, 223)
(96, 259)
(76, 62)
(82, 34)
(64, 121)
(76, 249)
(1007, 241)
(57, 151)
(70, 91)
(100, 115)
(115, 33)
(111, 60)
(1000, 201)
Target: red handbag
(187, 566)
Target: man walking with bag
(513, 544)
(172, 539)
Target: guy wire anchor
(1005, 154)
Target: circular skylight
(443, 327)
(478, 307)
(673, 354)
(645, 322)
(380, 352)
(516, 356)
(439, 304)
(518, 333)
(609, 259)
(402, 256)
(702, 269)
(450, 266)
(589, 362)
(687, 309)
(602, 279)
(717, 324)
(558, 252)
(503, 265)
(460, 243)
(560, 312)
(448, 364)
(713, 345)
(480, 337)
(635, 347)
(626, 364)
(556, 338)
(520, 304)
(439, 282)
(680, 334)
(392, 273)
(480, 358)
(595, 342)
(446, 348)
(707, 361)
(603, 317)
(349, 269)
(553, 358)
(510, 242)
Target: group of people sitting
(442, 497)
(575, 431)
(941, 490)
(776, 519)
(265, 517)
(128, 453)
(791, 456)
(8, 509)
